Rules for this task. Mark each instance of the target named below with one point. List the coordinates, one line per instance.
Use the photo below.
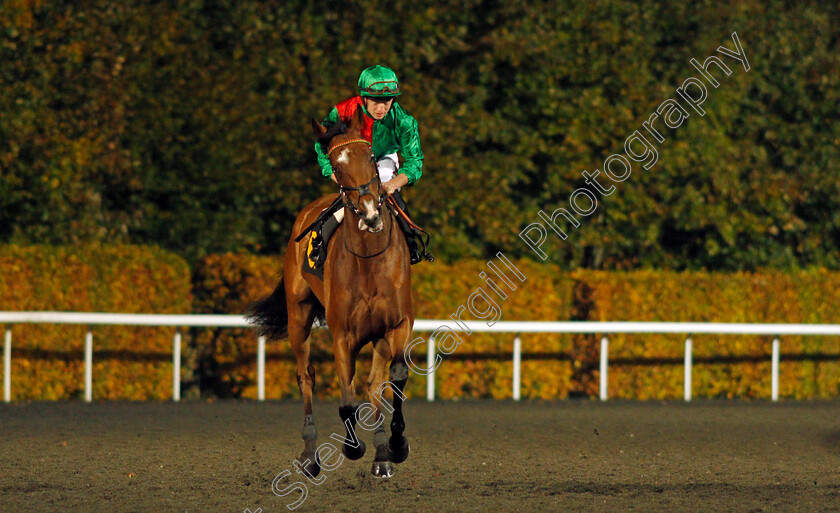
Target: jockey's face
(378, 107)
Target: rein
(363, 190)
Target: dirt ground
(465, 456)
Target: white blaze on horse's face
(371, 220)
(344, 157)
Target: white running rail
(517, 327)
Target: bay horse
(365, 297)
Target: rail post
(775, 370)
(430, 377)
(605, 348)
(88, 366)
(688, 359)
(176, 367)
(7, 366)
(517, 362)
(260, 368)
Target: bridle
(363, 190)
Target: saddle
(321, 230)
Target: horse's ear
(318, 128)
(358, 120)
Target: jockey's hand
(334, 179)
(394, 183)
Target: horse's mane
(335, 129)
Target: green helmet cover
(379, 82)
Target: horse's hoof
(398, 449)
(309, 467)
(382, 469)
(355, 453)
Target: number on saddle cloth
(320, 232)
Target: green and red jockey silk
(395, 133)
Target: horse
(365, 297)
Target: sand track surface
(465, 456)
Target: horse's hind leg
(300, 323)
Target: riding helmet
(379, 82)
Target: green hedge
(186, 124)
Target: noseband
(363, 190)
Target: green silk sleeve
(409, 141)
(323, 158)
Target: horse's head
(355, 169)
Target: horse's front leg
(345, 365)
(374, 419)
(398, 377)
(398, 444)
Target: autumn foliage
(557, 366)
(228, 283)
(129, 362)
(650, 366)
(135, 363)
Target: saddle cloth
(324, 226)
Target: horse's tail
(269, 314)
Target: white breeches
(388, 167)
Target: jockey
(391, 131)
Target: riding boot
(410, 233)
